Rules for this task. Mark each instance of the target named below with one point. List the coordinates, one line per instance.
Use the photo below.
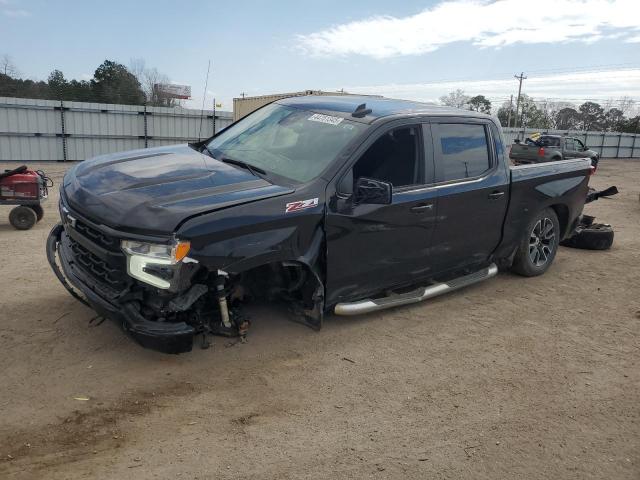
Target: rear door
(473, 191)
(373, 247)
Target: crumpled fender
(295, 239)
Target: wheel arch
(562, 212)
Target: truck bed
(525, 153)
(561, 185)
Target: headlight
(154, 263)
(174, 252)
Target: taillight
(541, 152)
(592, 170)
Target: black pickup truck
(332, 204)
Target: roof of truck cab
(345, 105)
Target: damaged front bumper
(167, 337)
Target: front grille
(112, 275)
(105, 241)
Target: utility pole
(510, 108)
(214, 115)
(520, 78)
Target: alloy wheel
(541, 242)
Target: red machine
(27, 189)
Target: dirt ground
(512, 378)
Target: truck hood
(154, 190)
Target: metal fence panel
(47, 130)
(81, 148)
(607, 144)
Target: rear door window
(462, 150)
(549, 142)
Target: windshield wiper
(254, 170)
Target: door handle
(422, 208)
(495, 195)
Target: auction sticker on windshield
(301, 205)
(317, 117)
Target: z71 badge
(301, 205)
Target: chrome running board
(415, 296)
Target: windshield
(295, 144)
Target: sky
(571, 50)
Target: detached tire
(39, 211)
(22, 218)
(539, 244)
(597, 236)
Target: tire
(556, 159)
(597, 236)
(22, 218)
(39, 211)
(539, 244)
(585, 221)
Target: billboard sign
(173, 91)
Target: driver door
(372, 247)
(570, 148)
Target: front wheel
(539, 244)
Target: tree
(479, 103)
(7, 67)
(74, 90)
(79, 91)
(530, 116)
(630, 125)
(57, 84)
(149, 78)
(505, 112)
(568, 119)
(626, 104)
(613, 119)
(16, 87)
(592, 116)
(455, 99)
(113, 83)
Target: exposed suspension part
(222, 298)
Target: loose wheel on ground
(23, 218)
(597, 236)
(539, 244)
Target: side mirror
(369, 190)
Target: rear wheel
(539, 244)
(39, 211)
(22, 218)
